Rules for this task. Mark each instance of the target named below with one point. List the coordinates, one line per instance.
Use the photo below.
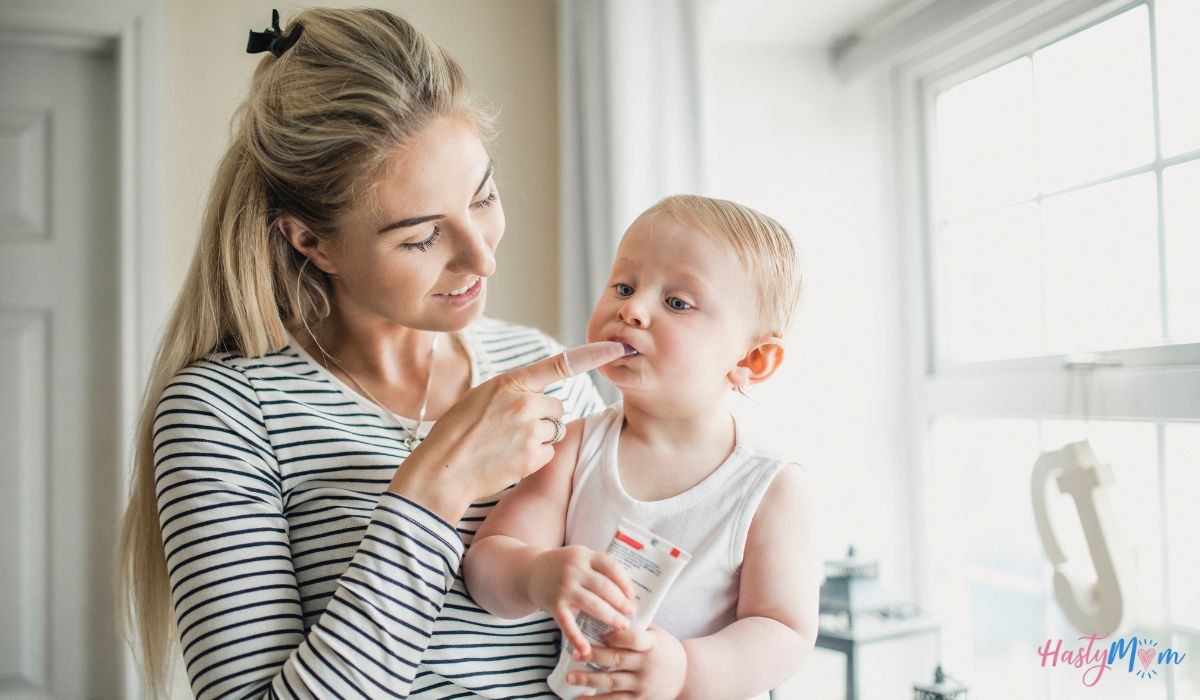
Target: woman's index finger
(568, 363)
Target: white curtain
(629, 77)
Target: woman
(332, 311)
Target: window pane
(1181, 216)
(1131, 450)
(1183, 521)
(967, 533)
(985, 139)
(981, 484)
(1178, 56)
(1094, 102)
(1187, 674)
(1008, 626)
(1101, 271)
(991, 294)
(984, 544)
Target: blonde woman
(291, 527)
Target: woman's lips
(461, 300)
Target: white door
(59, 412)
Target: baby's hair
(761, 244)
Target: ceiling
(808, 23)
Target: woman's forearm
(496, 570)
(749, 657)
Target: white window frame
(1156, 383)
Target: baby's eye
(622, 289)
(678, 304)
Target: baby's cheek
(696, 363)
(681, 359)
(596, 323)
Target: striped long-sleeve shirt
(294, 573)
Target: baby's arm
(528, 520)
(777, 615)
(516, 563)
(777, 601)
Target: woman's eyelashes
(424, 245)
(486, 201)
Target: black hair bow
(272, 38)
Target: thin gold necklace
(414, 436)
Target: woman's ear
(759, 363)
(307, 243)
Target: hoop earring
(304, 315)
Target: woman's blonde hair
(761, 245)
(319, 127)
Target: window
(1059, 169)
(1067, 217)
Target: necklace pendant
(411, 441)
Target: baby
(701, 294)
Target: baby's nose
(633, 314)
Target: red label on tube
(628, 540)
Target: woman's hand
(566, 581)
(494, 436)
(648, 664)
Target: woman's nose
(474, 254)
(632, 312)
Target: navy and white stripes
(294, 573)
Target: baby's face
(683, 301)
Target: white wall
(509, 53)
(785, 136)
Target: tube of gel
(653, 564)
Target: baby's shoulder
(786, 509)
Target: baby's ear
(759, 363)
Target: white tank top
(709, 520)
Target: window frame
(987, 57)
(1158, 383)
(1147, 382)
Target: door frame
(135, 30)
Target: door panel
(59, 411)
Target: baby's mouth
(629, 350)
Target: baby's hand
(648, 664)
(573, 579)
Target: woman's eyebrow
(403, 223)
